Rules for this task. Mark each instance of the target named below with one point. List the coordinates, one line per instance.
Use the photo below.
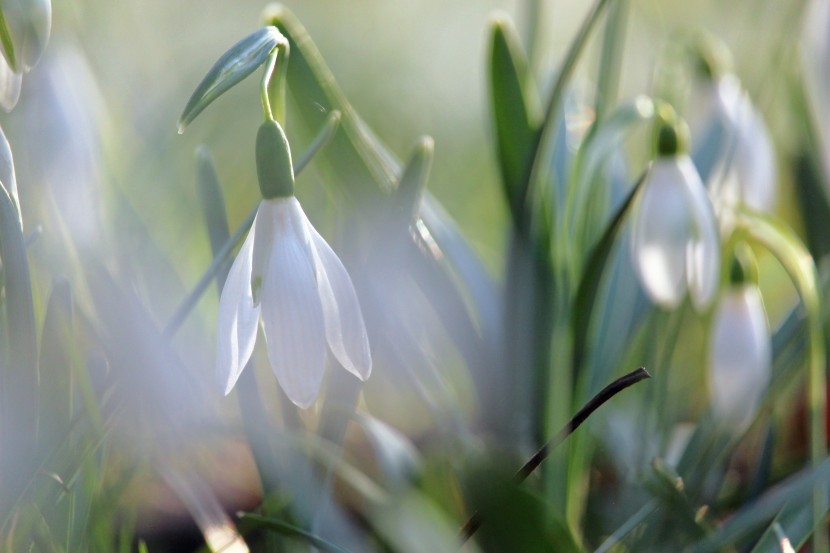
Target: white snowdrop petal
(292, 316)
(661, 233)
(755, 162)
(237, 320)
(703, 249)
(345, 329)
(30, 23)
(266, 214)
(749, 151)
(740, 356)
(10, 83)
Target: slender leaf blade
(515, 111)
(19, 376)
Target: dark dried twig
(533, 463)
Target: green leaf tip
(416, 173)
(516, 110)
(242, 59)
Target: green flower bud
(273, 162)
(744, 269)
(671, 134)
(711, 57)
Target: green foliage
(108, 407)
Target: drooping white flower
(746, 170)
(287, 276)
(28, 23)
(676, 245)
(740, 355)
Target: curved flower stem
(263, 85)
(221, 257)
(801, 269)
(471, 526)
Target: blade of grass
(275, 525)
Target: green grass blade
(252, 521)
(590, 283)
(213, 206)
(753, 516)
(55, 364)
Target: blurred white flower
(746, 171)
(740, 355)
(815, 57)
(676, 245)
(289, 275)
(29, 23)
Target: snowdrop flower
(746, 171)
(29, 23)
(675, 246)
(288, 277)
(740, 352)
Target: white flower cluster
(676, 247)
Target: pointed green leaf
(588, 172)
(413, 181)
(241, 60)
(19, 376)
(516, 111)
(213, 205)
(56, 357)
(592, 277)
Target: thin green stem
(263, 86)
